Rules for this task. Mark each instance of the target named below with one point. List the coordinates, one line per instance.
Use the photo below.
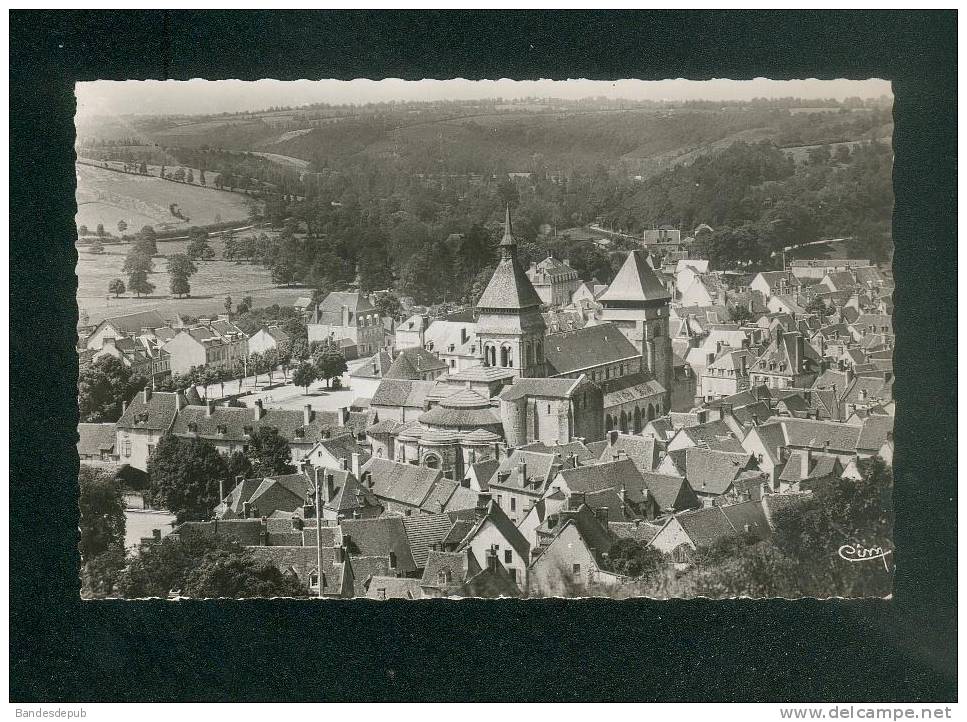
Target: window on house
(150, 449)
(513, 503)
(381, 593)
(500, 501)
(314, 580)
(513, 575)
(126, 447)
(508, 556)
(575, 569)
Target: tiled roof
(356, 302)
(549, 388)
(394, 588)
(509, 287)
(404, 483)
(635, 281)
(706, 526)
(712, 435)
(577, 448)
(344, 446)
(610, 475)
(496, 516)
(641, 532)
(423, 532)
(455, 567)
(157, 414)
(229, 423)
(641, 450)
(875, 431)
(132, 323)
(401, 392)
(374, 367)
(95, 439)
(379, 537)
(413, 364)
(303, 561)
(670, 492)
(712, 472)
(540, 469)
(747, 517)
(364, 569)
(587, 348)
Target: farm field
(106, 196)
(214, 280)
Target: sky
(153, 97)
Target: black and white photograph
(405, 340)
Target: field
(105, 196)
(214, 281)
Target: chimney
(345, 315)
(146, 394)
(483, 501)
(573, 460)
(221, 489)
(156, 534)
(805, 461)
(613, 438)
(755, 419)
(601, 514)
(330, 486)
(492, 559)
(179, 401)
(246, 509)
(826, 446)
(338, 555)
(522, 471)
(342, 415)
(124, 406)
(355, 464)
(307, 414)
(209, 407)
(258, 410)
(576, 500)
(297, 522)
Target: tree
(137, 260)
(244, 306)
(330, 364)
(138, 282)
(238, 465)
(122, 226)
(269, 453)
(102, 387)
(256, 365)
(180, 268)
(100, 230)
(101, 512)
(147, 241)
(82, 231)
(99, 576)
(304, 375)
(388, 304)
(201, 177)
(179, 174)
(184, 476)
(161, 568)
(189, 176)
(116, 287)
(238, 576)
(629, 558)
(198, 246)
(271, 360)
(228, 304)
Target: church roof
(636, 281)
(509, 287)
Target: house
(459, 574)
(230, 428)
(401, 400)
(806, 471)
(334, 579)
(838, 281)
(349, 316)
(660, 235)
(570, 557)
(267, 338)
(767, 441)
(217, 343)
(816, 268)
(687, 270)
(554, 281)
(454, 342)
(97, 443)
(710, 473)
(523, 478)
(706, 289)
(771, 283)
(728, 374)
(384, 536)
(788, 361)
(683, 533)
(364, 378)
(149, 416)
(383, 588)
(492, 535)
(550, 504)
(600, 352)
(125, 326)
(416, 364)
(407, 489)
(338, 449)
(643, 451)
(141, 354)
(876, 438)
(716, 434)
(629, 497)
(410, 333)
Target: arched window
(624, 423)
(490, 355)
(651, 412)
(530, 353)
(431, 461)
(506, 357)
(609, 423)
(637, 420)
(540, 351)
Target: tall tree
(304, 376)
(269, 453)
(101, 512)
(180, 269)
(102, 387)
(330, 364)
(184, 476)
(138, 283)
(239, 576)
(116, 287)
(198, 246)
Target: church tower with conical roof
(638, 304)
(510, 327)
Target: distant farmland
(106, 197)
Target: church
(530, 386)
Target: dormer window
(247, 430)
(222, 429)
(300, 433)
(193, 427)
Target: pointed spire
(507, 242)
